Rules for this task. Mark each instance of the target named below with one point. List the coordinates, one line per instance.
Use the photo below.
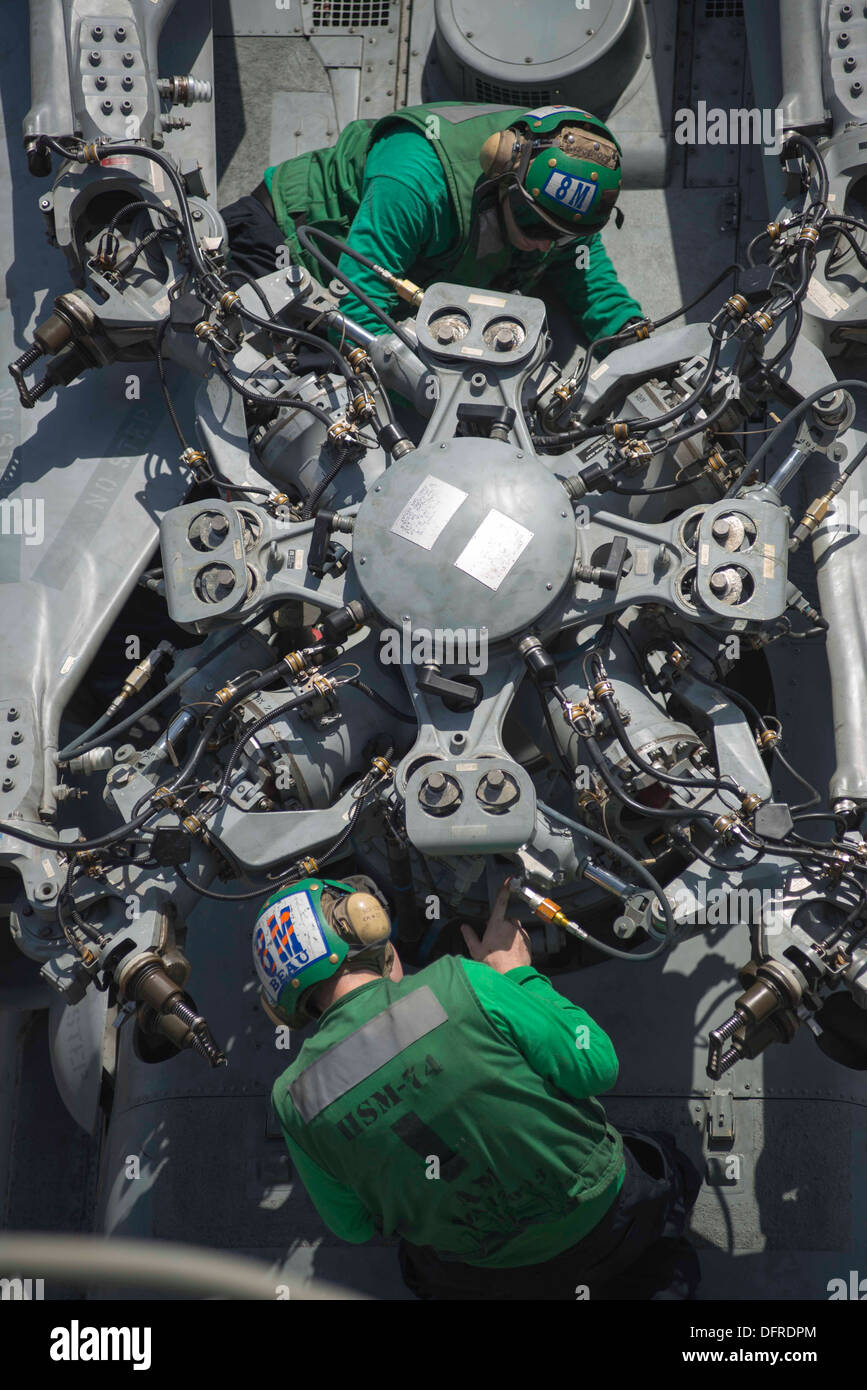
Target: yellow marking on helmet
(552, 163)
(594, 176)
(536, 192)
(333, 958)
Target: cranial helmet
(562, 163)
(310, 930)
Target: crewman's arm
(594, 297)
(559, 1039)
(340, 1208)
(405, 214)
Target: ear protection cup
(500, 152)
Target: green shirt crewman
(455, 1108)
(491, 196)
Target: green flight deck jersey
(456, 1108)
(407, 188)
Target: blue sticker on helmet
(287, 938)
(571, 192)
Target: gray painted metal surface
(789, 1214)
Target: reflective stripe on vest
(365, 1051)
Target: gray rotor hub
(472, 533)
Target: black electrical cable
(246, 279)
(654, 812)
(796, 137)
(106, 147)
(325, 482)
(257, 680)
(848, 383)
(275, 402)
(302, 336)
(611, 710)
(381, 701)
(306, 237)
(129, 261)
(789, 343)
(265, 891)
(624, 337)
(86, 740)
(139, 205)
(251, 732)
(839, 820)
(164, 387)
(687, 403)
(611, 847)
(691, 849)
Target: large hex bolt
(497, 790)
(440, 794)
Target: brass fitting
(736, 306)
(768, 738)
(229, 300)
(620, 431)
(383, 767)
(750, 803)
(408, 291)
(88, 862)
(225, 693)
(587, 799)
(573, 712)
(810, 234)
(362, 406)
(723, 824)
(638, 451)
(341, 432)
(773, 230)
(603, 687)
(204, 330)
(164, 796)
(762, 322)
(309, 866)
(297, 662)
(198, 463)
(91, 154)
(359, 360)
(322, 685)
(193, 825)
(815, 513)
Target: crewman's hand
(505, 944)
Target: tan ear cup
(498, 153)
(367, 918)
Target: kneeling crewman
(490, 196)
(456, 1108)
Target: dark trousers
(637, 1251)
(254, 235)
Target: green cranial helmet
(310, 930)
(562, 163)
